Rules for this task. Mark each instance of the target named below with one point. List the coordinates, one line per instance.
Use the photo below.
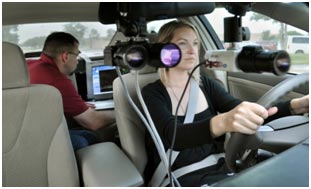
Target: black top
(193, 140)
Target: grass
(299, 58)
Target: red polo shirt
(45, 71)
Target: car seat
(36, 148)
(131, 128)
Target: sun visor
(109, 11)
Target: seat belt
(160, 172)
(158, 178)
(208, 161)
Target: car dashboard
(275, 171)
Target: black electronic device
(137, 54)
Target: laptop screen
(102, 79)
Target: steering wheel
(241, 145)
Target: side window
(274, 36)
(301, 40)
(93, 36)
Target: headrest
(14, 68)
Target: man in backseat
(59, 59)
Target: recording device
(136, 54)
(249, 59)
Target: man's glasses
(76, 54)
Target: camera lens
(132, 56)
(136, 54)
(164, 55)
(170, 55)
(282, 61)
(135, 57)
(255, 59)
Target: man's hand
(90, 105)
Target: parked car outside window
(297, 44)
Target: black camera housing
(255, 59)
(136, 54)
(118, 54)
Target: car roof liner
(109, 12)
(275, 10)
(272, 9)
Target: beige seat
(131, 128)
(36, 149)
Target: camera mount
(233, 30)
(132, 28)
(128, 26)
(137, 52)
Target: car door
(251, 86)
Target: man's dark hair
(59, 42)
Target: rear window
(93, 36)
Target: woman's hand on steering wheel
(239, 143)
(246, 118)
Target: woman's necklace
(177, 99)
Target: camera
(136, 54)
(249, 59)
(255, 59)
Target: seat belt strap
(160, 172)
(193, 101)
(208, 161)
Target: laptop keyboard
(103, 104)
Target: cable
(153, 128)
(175, 118)
(150, 125)
(160, 148)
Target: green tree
(93, 37)
(293, 33)
(110, 33)
(10, 34)
(35, 42)
(94, 34)
(283, 29)
(78, 30)
(266, 35)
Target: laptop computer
(99, 83)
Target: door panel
(251, 87)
